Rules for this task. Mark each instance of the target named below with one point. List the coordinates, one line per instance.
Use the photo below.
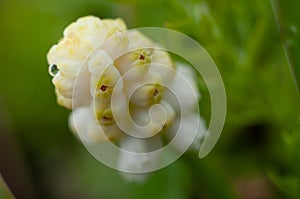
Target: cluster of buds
(123, 88)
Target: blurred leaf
(289, 185)
(210, 181)
(170, 182)
(288, 21)
(288, 178)
(5, 193)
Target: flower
(122, 87)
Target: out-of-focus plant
(287, 176)
(4, 190)
(288, 22)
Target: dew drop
(53, 69)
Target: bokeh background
(255, 45)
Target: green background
(255, 45)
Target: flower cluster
(123, 87)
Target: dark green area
(258, 152)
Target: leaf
(288, 22)
(4, 190)
(288, 184)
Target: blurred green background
(254, 43)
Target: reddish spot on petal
(103, 88)
(155, 92)
(142, 57)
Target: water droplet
(53, 69)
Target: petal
(138, 40)
(98, 62)
(63, 101)
(79, 121)
(115, 45)
(134, 82)
(81, 92)
(161, 63)
(189, 131)
(89, 30)
(183, 93)
(201, 133)
(80, 38)
(136, 158)
(64, 85)
(103, 84)
(138, 60)
(115, 23)
(83, 124)
(70, 68)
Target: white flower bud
(161, 63)
(136, 157)
(99, 61)
(183, 89)
(102, 85)
(122, 86)
(145, 89)
(61, 100)
(148, 94)
(185, 132)
(64, 85)
(116, 44)
(138, 41)
(136, 62)
(118, 23)
(105, 116)
(83, 124)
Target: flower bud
(148, 94)
(61, 100)
(105, 116)
(102, 85)
(63, 85)
(99, 61)
(136, 63)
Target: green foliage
(287, 177)
(288, 21)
